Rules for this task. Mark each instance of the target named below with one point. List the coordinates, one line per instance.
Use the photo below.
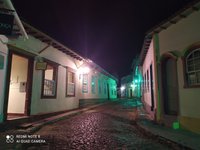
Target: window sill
(70, 95)
(48, 97)
(191, 86)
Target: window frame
(85, 81)
(185, 67)
(55, 78)
(68, 69)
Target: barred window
(49, 81)
(193, 67)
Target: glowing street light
(122, 88)
(83, 70)
(133, 86)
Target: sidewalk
(182, 137)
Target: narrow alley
(99, 75)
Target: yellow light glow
(84, 70)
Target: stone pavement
(183, 138)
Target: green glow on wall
(1, 118)
(176, 125)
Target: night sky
(109, 32)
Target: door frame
(164, 60)
(30, 58)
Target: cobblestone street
(110, 126)
(107, 127)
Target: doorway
(151, 84)
(20, 70)
(170, 86)
(131, 93)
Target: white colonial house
(39, 75)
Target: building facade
(171, 70)
(39, 75)
(127, 89)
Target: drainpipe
(17, 19)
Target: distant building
(170, 61)
(127, 86)
(136, 78)
(39, 75)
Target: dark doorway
(170, 86)
(131, 93)
(151, 85)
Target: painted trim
(156, 49)
(7, 87)
(29, 87)
(164, 58)
(167, 56)
(190, 48)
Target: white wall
(61, 102)
(149, 59)
(179, 37)
(3, 52)
(59, 57)
(103, 79)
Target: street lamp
(122, 88)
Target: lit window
(193, 67)
(85, 83)
(49, 81)
(70, 84)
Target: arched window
(193, 67)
